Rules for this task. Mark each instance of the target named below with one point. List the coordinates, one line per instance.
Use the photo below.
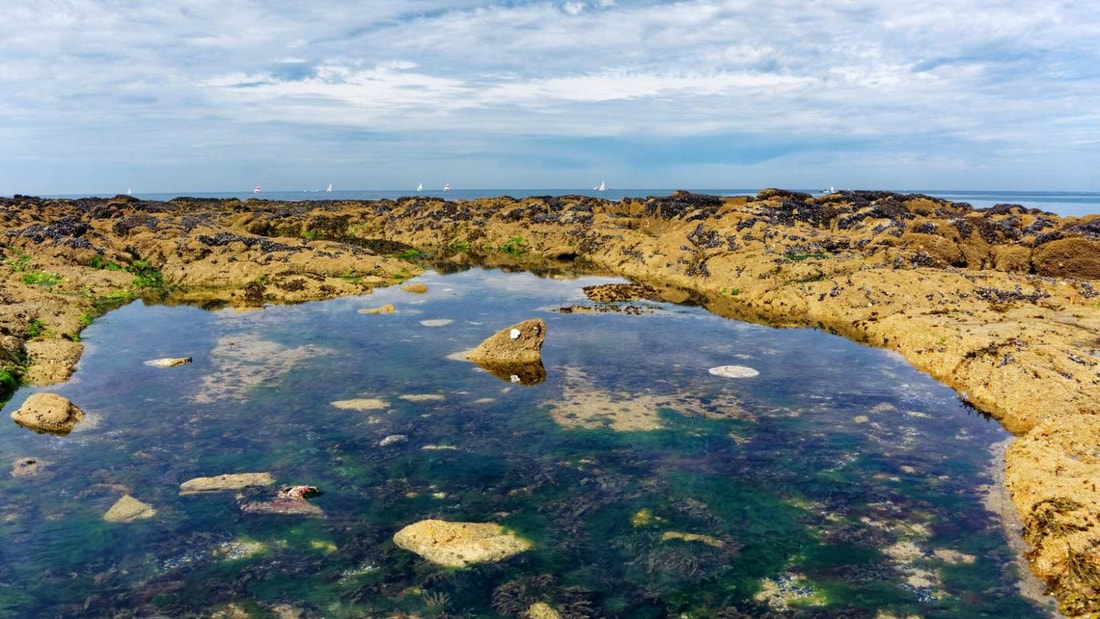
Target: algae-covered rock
(459, 544)
(48, 412)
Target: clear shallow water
(1064, 203)
(838, 481)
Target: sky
(99, 97)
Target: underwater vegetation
(838, 483)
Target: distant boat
(329, 188)
(129, 191)
(602, 187)
(256, 189)
(446, 186)
(420, 187)
(831, 189)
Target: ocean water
(838, 481)
(1063, 203)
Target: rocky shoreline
(1002, 304)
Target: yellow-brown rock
(1053, 474)
(129, 509)
(225, 483)
(520, 343)
(48, 412)
(459, 544)
(416, 288)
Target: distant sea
(1063, 203)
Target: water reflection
(836, 481)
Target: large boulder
(48, 412)
(520, 343)
(459, 544)
(1072, 257)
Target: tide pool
(836, 481)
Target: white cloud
(988, 75)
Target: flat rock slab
(225, 483)
(168, 362)
(459, 544)
(129, 509)
(48, 412)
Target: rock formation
(518, 344)
(48, 412)
(998, 303)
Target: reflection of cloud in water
(246, 361)
(584, 405)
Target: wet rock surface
(518, 344)
(459, 544)
(48, 412)
(1002, 304)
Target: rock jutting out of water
(168, 362)
(519, 344)
(49, 413)
(514, 354)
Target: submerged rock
(28, 467)
(48, 412)
(225, 483)
(361, 404)
(385, 309)
(393, 439)
(129, 509)
(734, 371)
(542, 610)
(459, 544)
(290, 500)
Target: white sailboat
(602, 187)
(420, 187)
(256, 189)
(446, 186)
(329, 188)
